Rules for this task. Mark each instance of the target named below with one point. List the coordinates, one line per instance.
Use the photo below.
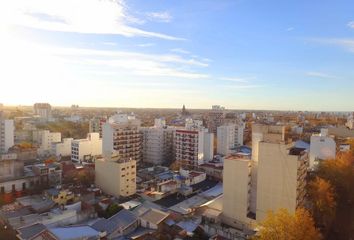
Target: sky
(241, 54)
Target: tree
(321, 195)
(112, 210)
(284, 226)
(340, 173)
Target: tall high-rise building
(116, 176)
(43, 110)
(157, 144)
(193, 144)
(225, 139)
(7, 135)
(121, 134)
(273, 178)
(229, 137)
(215, 118)
(95, 125)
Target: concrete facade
(116, 176)
(121, 135)
(157, 144)
(7, 136)
(88, 147)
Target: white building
(350, 121)
(215, 118)
(193, 145)
(116, 176)
(225, 139)
(274, 178)
(62, 149)
(86, 148)
(43, 110)
(45, 139)
(121, 134)
(228, 138)
(322, 147)
(157, 144)
(95, 125)
(7, 135)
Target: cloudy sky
(243, 54)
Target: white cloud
(351, 24)
(319, 75)
(159, 16)
(289, 29)
(180, 50)
(347, 43)
(236, 79)
(146, 44)
(80, 16)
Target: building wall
(157, 144)
(10, 167)
(91, 146)
(277, 180)
(116, 178)
(28, 182)
(321, 147)
(7, 136)
(121, 134)
(208, 148)
(236, 183)
(46, 139)
(225, 139)
(62, 148)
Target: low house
(122, 223)
(35, 231)
(152, 218)
(61, 197)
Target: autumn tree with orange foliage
(340, 173)
(285, 226)
(321, 195)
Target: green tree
(113, 209)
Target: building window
(2, 190)
(13, 187)
(24, 186)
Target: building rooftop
(121, 220)
(31, 231)
(154, 216)
(75, 232)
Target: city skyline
(239, 54)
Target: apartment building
(7, 130)
(322, 147)
(62, 149)
(157, 143)
(122, 134)
(116, 176)
(228, 138)
(43, 110)
(215, 118)
(273, 178)
(45, 139)
(81, 149)
(95, 125)
(193, 144)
